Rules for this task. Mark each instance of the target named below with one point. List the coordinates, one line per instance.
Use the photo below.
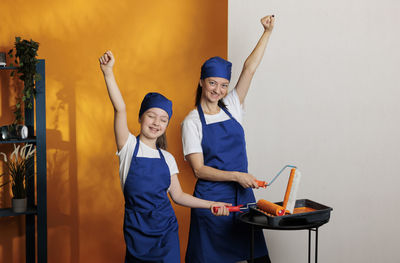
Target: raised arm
(121, 131)
(205, 172)
(254, 59)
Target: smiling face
(214, 88)
(154, 122)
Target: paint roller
(269, 207)
(264, 184)
(262, 204)
(291, 190)
(289, 200)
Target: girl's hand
(107, 62)
(246, 180)
(222, 208)
(268, 23)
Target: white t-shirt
(126, 153)
(192, 132)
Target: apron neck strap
(137, 149)
(136, 146)
(201, 113)
(227, 112)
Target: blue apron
(222, 239)
(150, 225)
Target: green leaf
(17, 39)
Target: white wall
(326, 98)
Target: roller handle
(230, 208)
(262, 184)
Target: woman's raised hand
(107, 62)
(268, 22)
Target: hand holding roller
(237, 208)
(264, 184)
(262, 204)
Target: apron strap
(137, 149)
(201, 114)
(202, 118)
(227, 112)
(136, 146)
(161, 154)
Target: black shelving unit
(36, 232)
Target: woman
(214, 144)
(147, 173)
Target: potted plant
(19, 167)
(26, 60)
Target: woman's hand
(107, 62)
(251, 64)
(268, 22)
(246, 180)
(222, 209)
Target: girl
(147, 173)
(214, 144)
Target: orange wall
(159, 46)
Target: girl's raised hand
(268, 22)
(107, 62)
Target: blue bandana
(156, 100)
(216, 67)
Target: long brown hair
(198, 98)
(161, 142)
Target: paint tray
(306, 214)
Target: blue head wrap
(156, 100)
(216, 67)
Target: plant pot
(19, 205)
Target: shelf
(36, 215)
(27, 140)
(8, 68)
(9, 212)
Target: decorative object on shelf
(13, 131)
(25, 60)
(19, 205)
(20, 167)
(3, 59)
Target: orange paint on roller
(289, 187)
(270, 208)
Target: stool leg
(316, 245)
(309, 245)
(252, 244)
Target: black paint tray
(315, 218)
